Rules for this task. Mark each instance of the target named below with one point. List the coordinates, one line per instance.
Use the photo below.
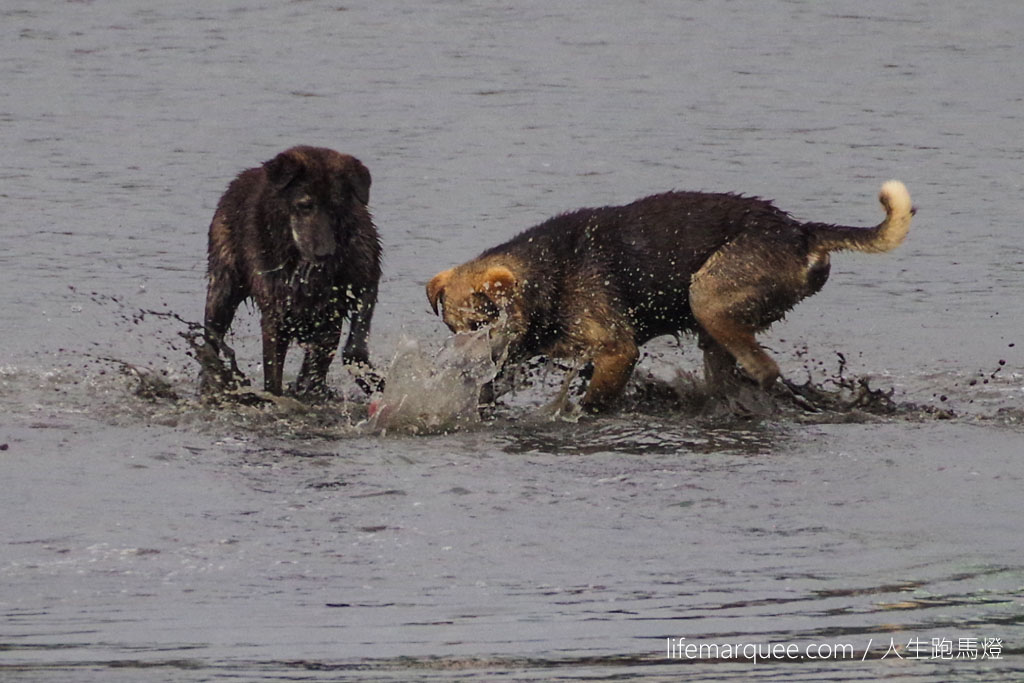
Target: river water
(148, 538)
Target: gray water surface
(154, 539)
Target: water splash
(430, 393)
(835, 397)
(427, 394)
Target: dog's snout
(313, 242)
(323, 249)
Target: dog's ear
(283, 169)
(498, 283)
(435, 288)
(359, 177)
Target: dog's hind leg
(222, 300)
(740, 342)
(720, 372)
(742, 289)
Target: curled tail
(885, 236)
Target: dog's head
(479, 295)
(320, 190)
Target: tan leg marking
(724, 298)
(613, 364)
(740, 342)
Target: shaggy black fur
(295, 235)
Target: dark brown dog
(595, 284)
(295, 235)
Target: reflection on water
(639, 434)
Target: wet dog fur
(296, 236)
(595, 284)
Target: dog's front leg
(357, 351)
(275, 346)
(613, 364)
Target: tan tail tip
(895, 198)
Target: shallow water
(155, 539)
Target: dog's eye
(485, 306)
(304, 204)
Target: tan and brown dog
(595, 284)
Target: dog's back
(643, 253)
(653, 246)
(235, 240)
